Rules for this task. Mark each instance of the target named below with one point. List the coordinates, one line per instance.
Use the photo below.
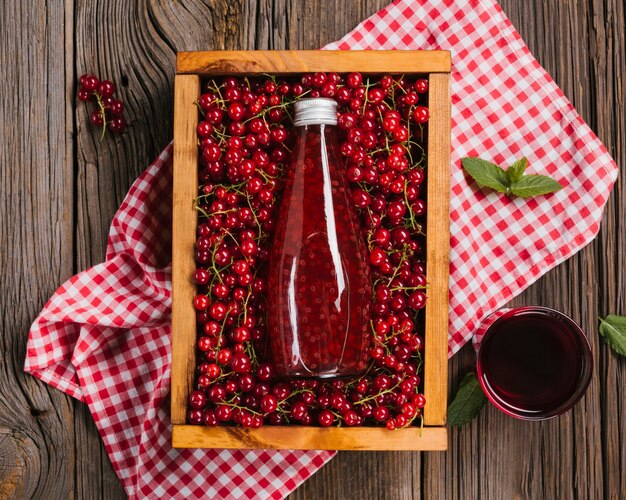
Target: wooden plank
(437, 251)
(289, 61)
(310, 438)
(37, 442)
(184, 222)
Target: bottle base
(321, 376)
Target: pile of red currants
(245, 139)
(110, 110)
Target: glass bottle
(319, 286)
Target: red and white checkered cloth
(104, 337)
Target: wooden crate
(191, 66)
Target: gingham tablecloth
(104, 337)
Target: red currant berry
(347, 120)
(417, 300)
(236, 111)
(204, 129)
(419, 208)
(106, 88)
(206, 100)
(195, 416)
(381, 413)
(224, 356)
(326, 418)
(240, 267)
(90, 83)
(381, 236)
(241, 334)
(421, 86)
(377, 256)
(319, 79)
(343, 95)
(377, 352)
(382, 382)
(411, 98)
(118, 124)
(396, 209)
(269, 403)
(201, 276)
(117, 107)
(386, 82)
(351, 418)
(355, 174)
(418, 400)
(376, 95)
(197, 400)
(201, 302)
(299, 410)
(361, 198)
(218, 311)
(421, 114)
(265, 372)
(416, 177)
(401, 420)
(83, 95)
(241, 363)
(354, 80)
(96, 118)
(329, 89)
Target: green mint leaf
(468, 401)
(486, 174)
(516, 171)
(534, 185)
(613, 329)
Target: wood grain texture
(437, 250)
(36, 233)
(61, 187)
(184, 223)
(289, 62)
(310, 438)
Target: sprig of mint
(613, 329)
(512, 181)
(468, 401)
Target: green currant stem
(103, 113)
(374, 396)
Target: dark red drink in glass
(319, 287)
(534, 363)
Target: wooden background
(61, 187)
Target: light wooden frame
(190, 67)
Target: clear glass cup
(534, 363)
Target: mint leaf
(515, 171)
(534, 185)
(486, 174)
(613, 329)
(468, 401)
(513, 181)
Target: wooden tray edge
(303, 61)
(311, 438)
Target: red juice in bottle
(319, 287)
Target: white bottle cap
(315, 111)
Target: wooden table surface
(61, 187)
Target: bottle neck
(321, 126)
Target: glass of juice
(534, 363)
